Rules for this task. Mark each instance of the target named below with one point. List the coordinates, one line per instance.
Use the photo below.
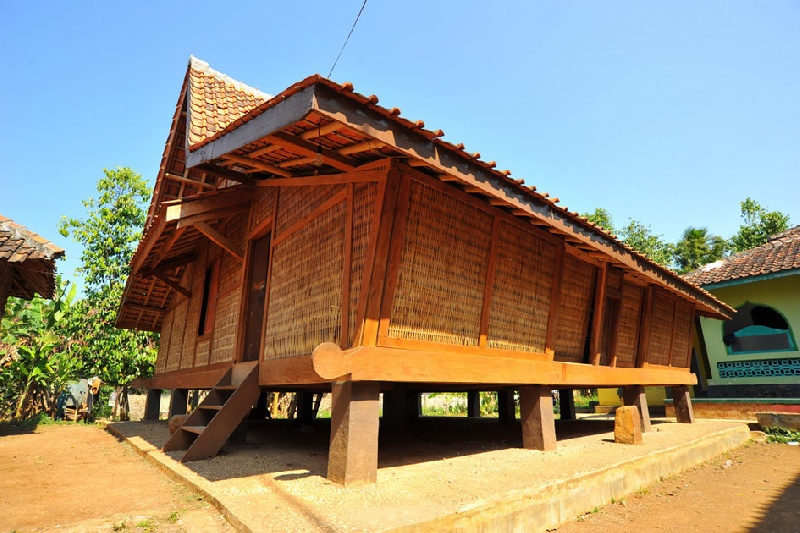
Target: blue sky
(670, 113)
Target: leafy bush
(782, 435)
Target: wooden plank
(537, 420)
(395, 253)
(353, 451)
(172, 282)
(297, 144)
(145, 308)
(289, 371)
(491, 271)
(183, 179)
(228, 174)
(379, 258)
(375, 363)
(357, 176)
(220, 240)
(417, 344)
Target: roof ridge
(203, 66)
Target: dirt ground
(755, 487)
(77, 477)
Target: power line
(348, 37)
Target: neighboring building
(27, 263)
(316, 241)
(754, 354)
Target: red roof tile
(216, 100)
(781, 252)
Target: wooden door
(256, 294)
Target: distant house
(755, 353)
(316, 241)
(27, 263)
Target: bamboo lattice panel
(176, 342)
(439, 294)
(202, 352)
(683, 334)
(297, 202)
(163, 344)
(574, 306)
(520, 304)
(305, 294)
(661, 327)
(630, 315)
(262, 206)
(225, 322)
(365, 196)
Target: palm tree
(698, 247)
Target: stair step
(226, 387)
(211, 407)
(194, 429)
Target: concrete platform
(438, 474)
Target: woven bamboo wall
(226, 317)
(163, 345)
(176, 342)
(661, 326)
(195, 284)
(364, 207)
(262, 206)
(305, 292)
(520, 303)
(575, 303)
(683, 334)
(297, 202)
(630, 315)
(440, 288)
(201, 352)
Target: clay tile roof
(216, 100)
(780, 253)
(20, 245)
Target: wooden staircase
(209, 426)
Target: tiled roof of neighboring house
(216, 101)
(780, 253)
(20, 245)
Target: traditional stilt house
(316, 240)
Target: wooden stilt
(683, 404)
(353, 452)
(538, 422)
(473, 404)
(413, 405)
(305, 408)
(152, 405)
(634, 395)
(177, 402)
(566, 404)
(506, 409)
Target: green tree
(641, 238)
(602, 218)
(759, 225)
(698, 247)
(35, 358)
(109, 236)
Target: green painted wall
(783, 295)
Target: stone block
(628, 425)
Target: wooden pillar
(261, 409)
(538, 422)
(474, 404)
(506, 410)
(177, 402)
(305, 408)
(683, 404)
(152, 404)
(412, 401)
(634, 395)
(353, 452)
(566, 404)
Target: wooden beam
(321, 131)
(168, 244)
(182, 179)
(536, 415)
(297, 144)
(356, 176)
(597, 349)
(236, 198)
(361, 147)
(145, 308)
(172, 282)
(170, 264)
(228, 174)
(220, 240)
(376, 363)
(258, 165)
(353, 451)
